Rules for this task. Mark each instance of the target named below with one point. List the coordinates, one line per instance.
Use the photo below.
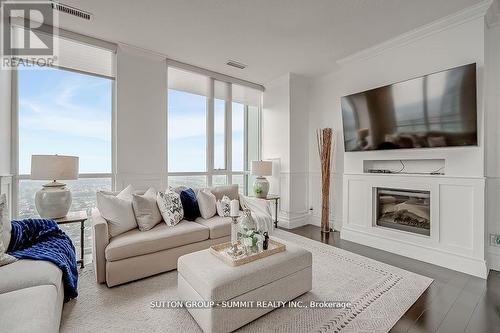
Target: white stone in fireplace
(456, 237)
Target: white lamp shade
(54, 167)
(262, 168)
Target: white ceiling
(272, 37)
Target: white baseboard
(449, 260)
(290, 221)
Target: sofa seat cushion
(219, 226)
(31, 309)
(29, 273)
(161, 237)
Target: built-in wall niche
(406, 166)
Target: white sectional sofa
(137, 254)
(31, 297)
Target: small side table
(76, 217)
(276, 199)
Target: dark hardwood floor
(455, 302)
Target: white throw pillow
(117, 211)
(224, 206)
(207, 203)
(4, 258)
(5, 221)
(170, 206)
(146, 210)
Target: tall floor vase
(324, 138)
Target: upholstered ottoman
(203, 277)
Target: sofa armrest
(100, 240)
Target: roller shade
(221, 90)
(194, 83)
(189, 82)
(246, 95)
(76, 55)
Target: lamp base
(53, 202)
(261, 187)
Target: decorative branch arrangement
(324, 138)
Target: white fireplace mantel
(457, 236)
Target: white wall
(299, 152)
(441, 49)
(5, 121)
(284, 138)
(492, 105)
(276, 122)
(141, 120)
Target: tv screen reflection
(436, 110)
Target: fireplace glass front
(405, 210)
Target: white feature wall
(141, 119)
(444, 49)
(439, 46)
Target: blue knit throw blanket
(42, 239)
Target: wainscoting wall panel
(293, 210)
(457, 231)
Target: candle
(235, 208)
(234, 232)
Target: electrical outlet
(495, 240)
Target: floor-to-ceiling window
(66, 110)
(66, 113)
(213, 131)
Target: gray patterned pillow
(224, 206)
(4, 258)
(170, 206)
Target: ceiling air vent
(236, 64)
(71, 10)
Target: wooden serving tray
(220, 251)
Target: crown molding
(493, 15)
(447, 22)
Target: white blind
(75, 55)
(189, 82)
(221, 90)
(246, 95)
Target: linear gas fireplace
(406, 210)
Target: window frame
(228, 171)
(16, 177)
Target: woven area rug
(380, 294)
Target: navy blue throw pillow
(190, 205)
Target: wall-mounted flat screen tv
(435, 110)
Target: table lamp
(261, 185)
(54, 199)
